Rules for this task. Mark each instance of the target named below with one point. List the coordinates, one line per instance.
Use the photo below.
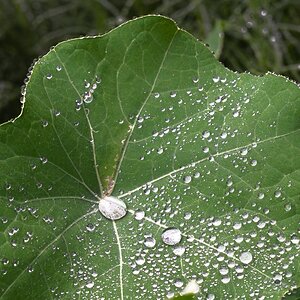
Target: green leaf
(147, 115)
(215, 38)
(185, 297)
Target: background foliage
(259, 36)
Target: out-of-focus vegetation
(257, 36)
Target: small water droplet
(49, 76)
(140, 261)
(150, 242)
(205, 134)
(277, 194)
(178, 283)
(187, 179)
(288, 207)
(173, 94)
(179, 250)
(90, 284)
(139, 215)
(244, 151)
(90, 227)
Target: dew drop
(277, 194)
(246, 257)
(49, 76)
(90, 227)
(171, 236)
(139, 215)
(179, 250)
(205, 134)
(140, 261)
(187, 179)
(173, 94)
(225, 280)
(191, 288)
(150, 242)
(288, 207)
(244, 151)
(236, 114)
(89, 285)
(112, 208)
(178, 283)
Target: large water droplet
(246, 257)
(171, 236)
(112, 208)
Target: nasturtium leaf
(146, 119)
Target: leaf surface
(146, 114)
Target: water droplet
(90, 227)
(246, 257)
(90, 284)
(49, 76)
(253, 163)
(160, 150)
(187, 179)
(277, 194)
(191, 288)
(244, 151)
(179, 250)
(112, 208)
(140, 261)
(139, 215)
(205, 134)
(225, 280)
(236, 114)
(150, 242)
(277, 278)
(288, 207)
(171, 236)
(178, 283)
(98, 79)
(44, 123)
(224, 135)
(58, 68)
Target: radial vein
(121, 259)
(192, 164)
(141, 109)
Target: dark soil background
(256, 35)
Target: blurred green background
(255, 36)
